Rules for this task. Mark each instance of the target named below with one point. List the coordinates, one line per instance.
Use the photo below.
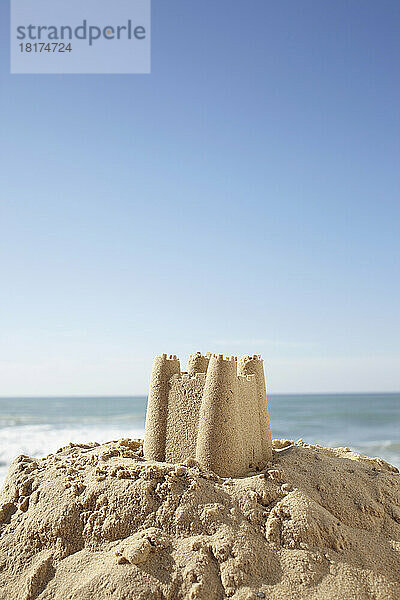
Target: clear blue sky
(244, 197)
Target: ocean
(368, 423)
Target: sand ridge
(98, 521)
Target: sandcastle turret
(216, 412)
(219, 435)
(157, 406)
(253, 365)
(198, 363)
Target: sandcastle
(216, 413)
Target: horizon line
(64, 396)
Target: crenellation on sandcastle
(215, 412)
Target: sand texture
(100, 522)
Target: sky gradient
(243, 198)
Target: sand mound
(98, 522)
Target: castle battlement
(215, 411)
(246, 377)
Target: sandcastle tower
(216, 412)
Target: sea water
(368, 423)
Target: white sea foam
(40, 440)
(389, 450)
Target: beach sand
(100, 522)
